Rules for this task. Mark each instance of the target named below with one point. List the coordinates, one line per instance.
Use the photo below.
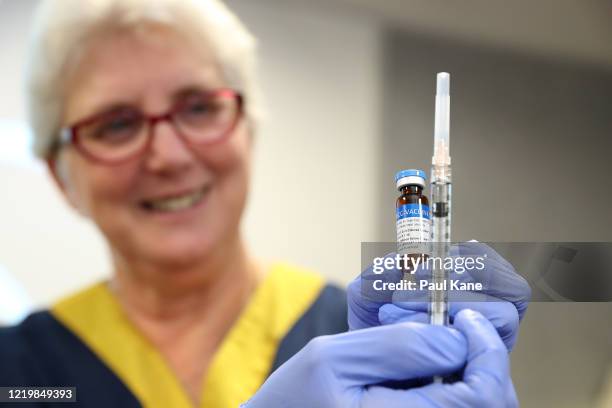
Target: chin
(178, 253)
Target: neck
(170, 292)
(186, 310)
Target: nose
(168, 152)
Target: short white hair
(61, 27)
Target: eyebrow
(190, 90)
(117, 106)
(104, 110)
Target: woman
(145, 113)
(147, 133)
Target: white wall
(43, 244)
(317, 163)
(47, 248)
(316, 156)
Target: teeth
(176, 203)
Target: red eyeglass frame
(70, 134)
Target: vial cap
(410, 176)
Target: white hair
(61, 27)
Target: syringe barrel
(441, 202)
(441, 194)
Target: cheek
(231, 154)
(96, 191)
(230, 160)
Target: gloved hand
(346, 370)
(503, 300)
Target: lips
(178, 202)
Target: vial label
(413, 223)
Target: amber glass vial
(413, 218)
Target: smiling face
(174, 204)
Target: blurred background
(350, 86)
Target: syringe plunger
(441, 156)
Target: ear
(60, 177)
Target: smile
(176, 203)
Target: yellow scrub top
(92, 345)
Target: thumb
(485, 379)
(392, 314)
(488, 365)
(397, 352)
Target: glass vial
(413, 219)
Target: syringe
(441, 184)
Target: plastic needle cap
(443, 84)
(441, 154)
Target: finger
(485, 381)
(378, 396)
(487, 369)
(511, 397)
(364, 300)
(392, 353)
(433, 395)
(498, 277)
(503, 315)
(391, 314)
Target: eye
(118, 125)
(115, 127)
(199, 106)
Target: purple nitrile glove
(346, 370)
(503, 300)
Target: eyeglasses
(200, 118)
